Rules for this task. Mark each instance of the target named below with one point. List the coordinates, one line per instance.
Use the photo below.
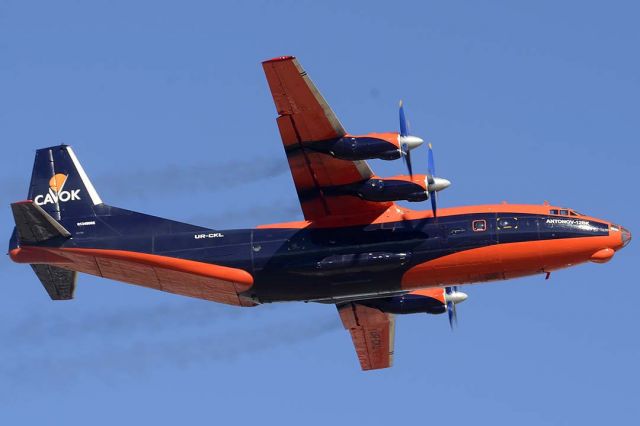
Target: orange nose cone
(602, 256)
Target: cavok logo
(56, 194)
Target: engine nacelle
(429, 301)
(395, 188)
(382, 146)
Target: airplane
(356, 247)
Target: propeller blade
(434, 208)
(409, 166)
(450, 306)
(404, 129)
(451, 312)
(431, 165)
(406, 142)
(405, 153)
(455, 313)
(431, 170)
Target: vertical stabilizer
(59, 184)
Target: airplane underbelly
(481, 264)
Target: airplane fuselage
(303, 261)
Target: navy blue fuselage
(320, 264)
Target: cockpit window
(564, 212)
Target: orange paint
(504, 261)
(279, 58)
(602, 256)
(372, 333)
(186, 277)
(304, 116)
(434, 293)
(57, 182)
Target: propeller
(406, 141)
(434, 183)
(452, 297)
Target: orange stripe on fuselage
(506, 260)
(396, 213)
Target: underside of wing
(305, 119)
(180, 276)
(372, 332)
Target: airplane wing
(372, 332)
(305, 117)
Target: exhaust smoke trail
(41, 327)
(277, 211)
(112, 361)
(183, 178)
(202, 177)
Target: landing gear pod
(602, 256)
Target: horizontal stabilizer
(34, 225)
(59, 283)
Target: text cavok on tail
(60, 186)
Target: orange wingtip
(279, 58)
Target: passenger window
(505, 223)
(553, 211)
(479, 225)
(572, 213)
(456, 231)
(564, 212)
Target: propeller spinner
(434, 183)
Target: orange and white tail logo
(56, 193)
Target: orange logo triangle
(57, 182)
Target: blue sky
(167, 107)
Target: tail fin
(59, 189)
(60, 186)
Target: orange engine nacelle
(430, 301)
